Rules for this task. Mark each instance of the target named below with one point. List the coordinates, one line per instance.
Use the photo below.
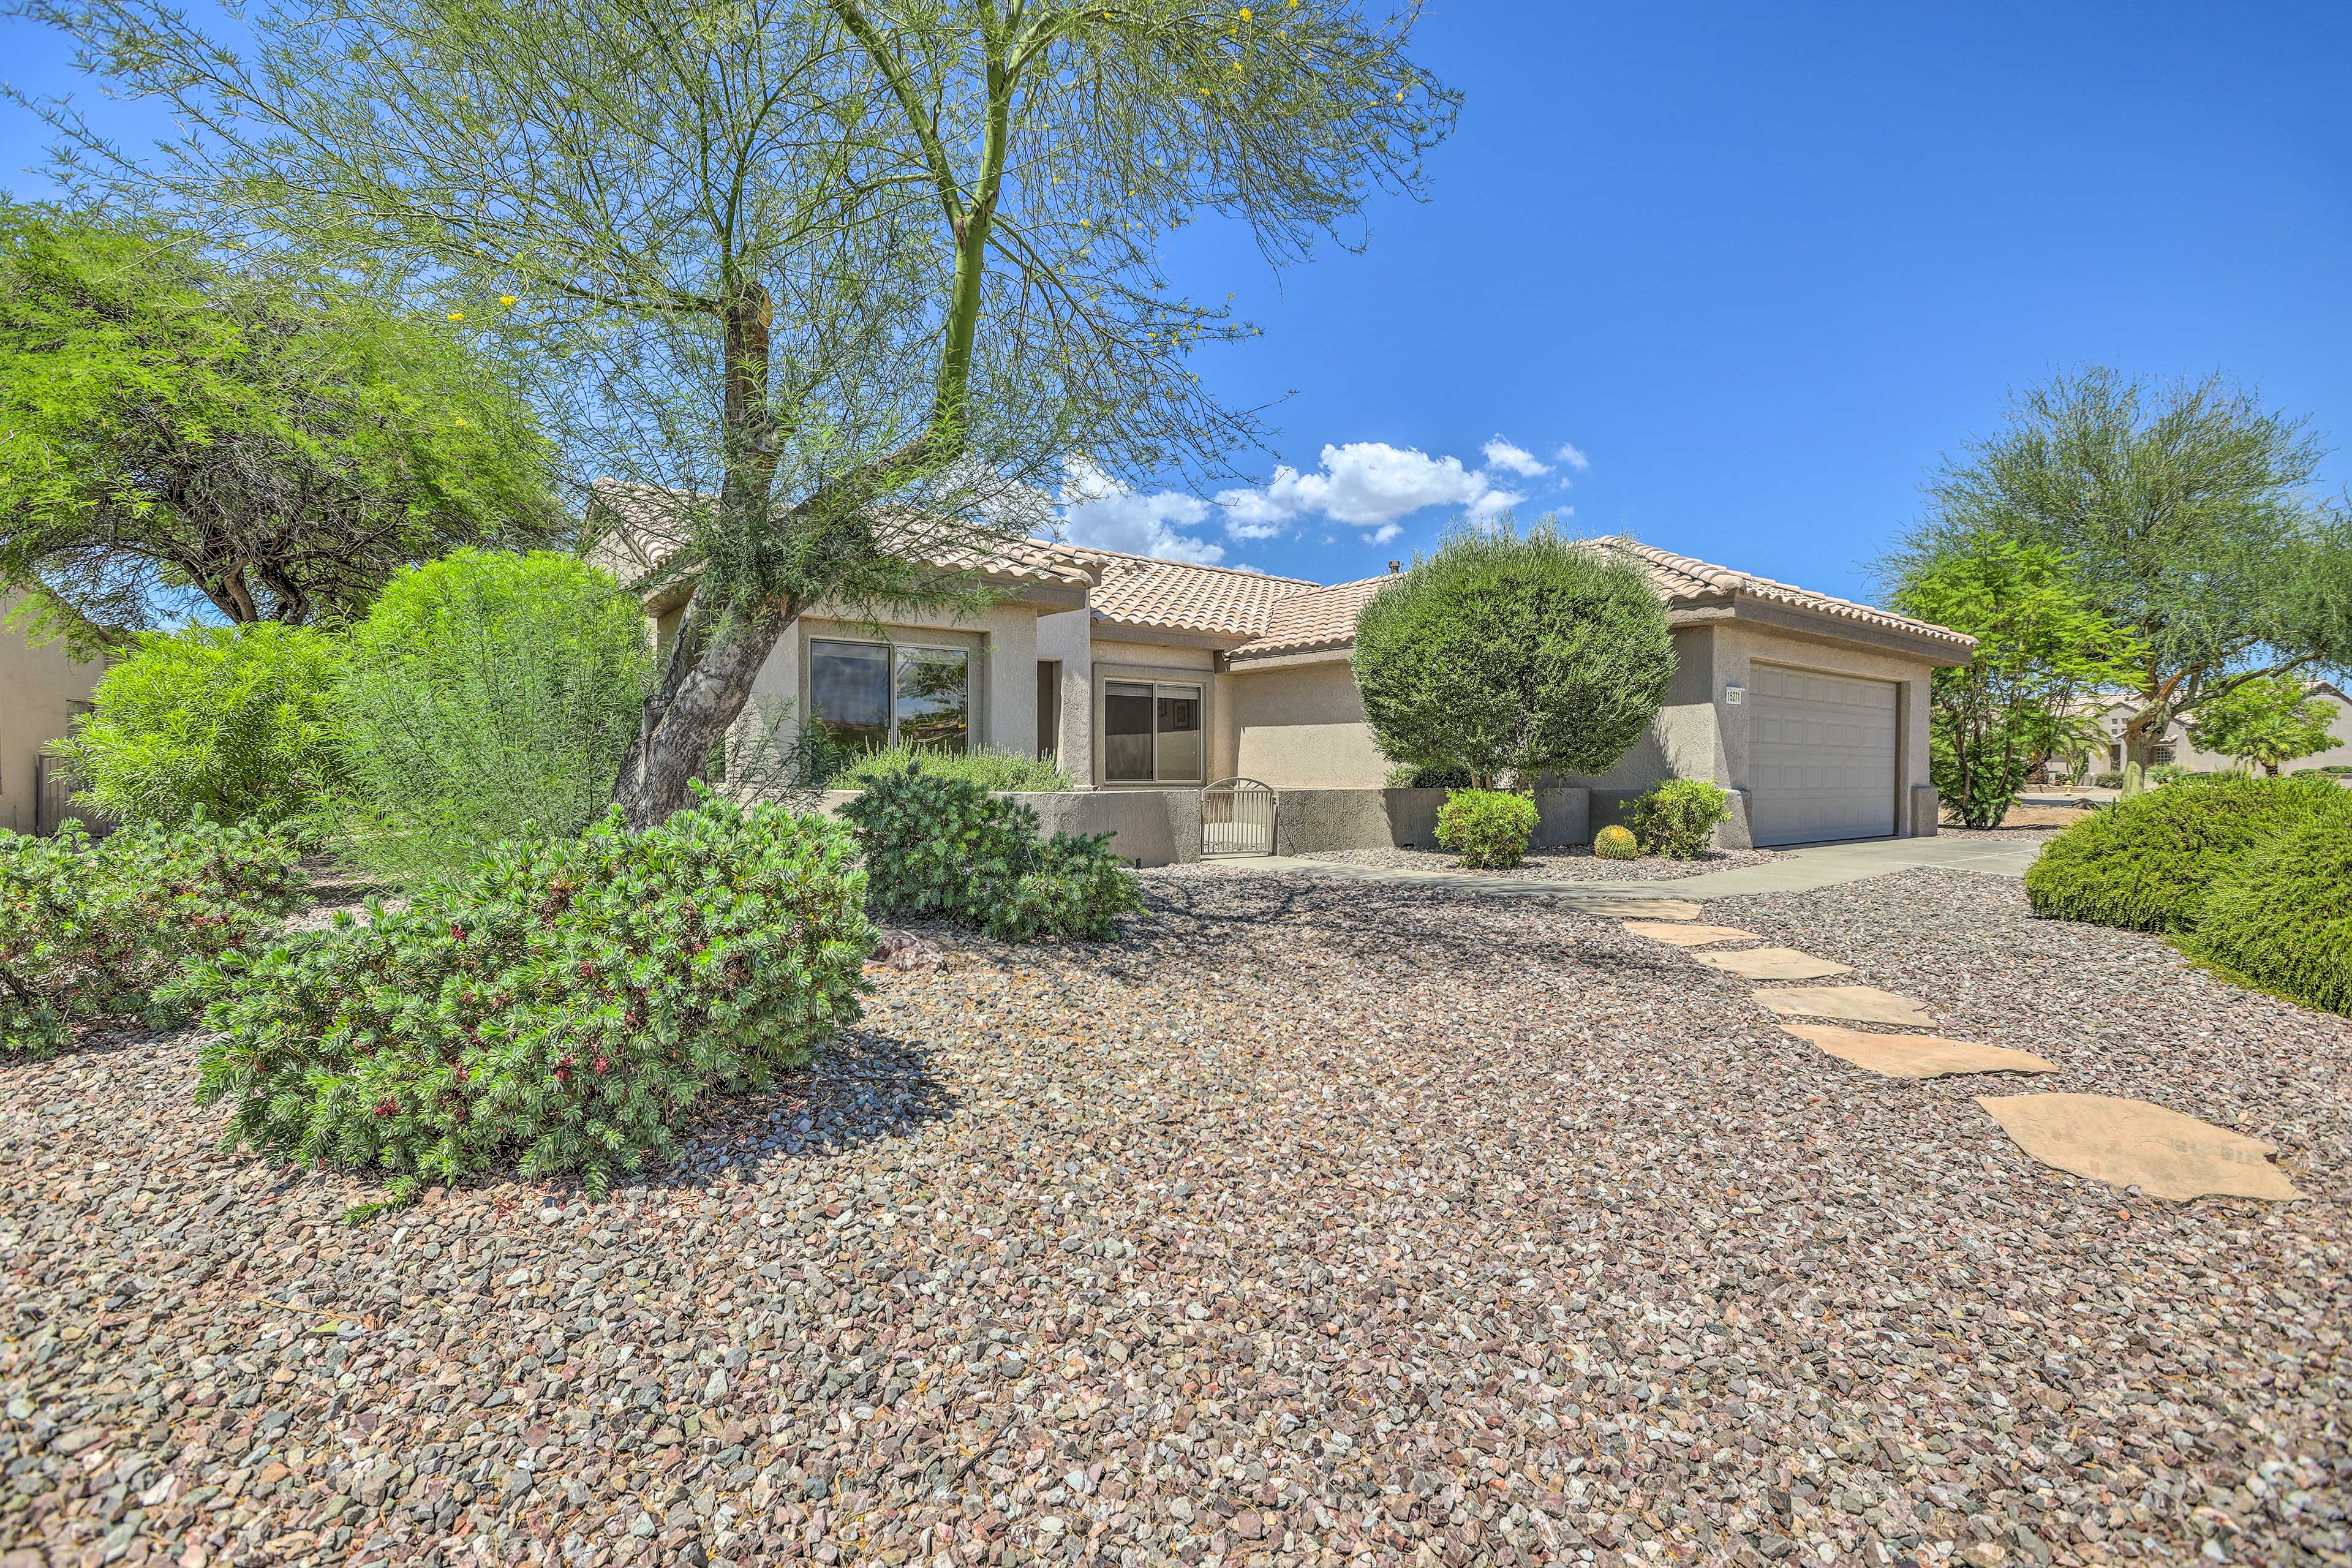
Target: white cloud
(1366, 483)
(1097, 510)
(1384, 534)
(1574, 458)
(1502, 454)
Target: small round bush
(235, 722)
(2145, 863)
(1615, 843)
(1489, 829)
(2283, 916)
(559, 1008)
(1678, 818)
(944, 848)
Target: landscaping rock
(1418, 1223)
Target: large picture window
(867, 695)
(1152, 734)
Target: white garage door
(1822, 756)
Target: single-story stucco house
(43, 689)
(1139, 674)
(2178, 746)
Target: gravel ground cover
(1312, 1222)
(1576, 865)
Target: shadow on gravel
(862, 1089)
(1215, 926)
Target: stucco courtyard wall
(40, 691)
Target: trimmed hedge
(561, 1008)
(944, 848)
(1489, 829)
(96, 929)
(2282, 917)
(2145, 863)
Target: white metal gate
(1237, 818)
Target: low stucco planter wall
(1310, 820)
(1156, 826)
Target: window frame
(1197, 684)
(974, 680)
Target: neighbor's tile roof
(651, 525)
(1682, 577)
(1179, 596)
(1317, 618)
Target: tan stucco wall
(1002, 638)
(1303, 727)
(1069, 636)
(38, 687)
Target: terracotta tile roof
(1682, 577)
(651, 523)
(1317, 618)
(1180, 595)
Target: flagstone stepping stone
(2131, 1143)
(1916, 1056)
(1863, 1004)
(1689, 935)
(1625, 906)
(1773, 964)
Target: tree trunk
(705, 686)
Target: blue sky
(1756, 267)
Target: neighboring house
(41, 692)
(1138, 673)
(2176, 748)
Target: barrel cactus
(1614, 843)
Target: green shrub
(1615, 843)
(1407, 776)
(2145, 863)
(2282, 917)
(91, 930)
(2108, 781)
(984, 768)
(490, 697)
(1490, 829)
(559, 1008)
(1678, 818)
(1510, 656)
(238, 722)
(944, 848)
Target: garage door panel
(1822, 755)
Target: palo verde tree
(259, 441)
(2186, 515)
(1504, 654)
(2266, 722)
(850, 277)
(2041, 653)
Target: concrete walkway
(1797, 871)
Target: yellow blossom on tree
(506, 298)
(456, 315)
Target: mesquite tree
(2187, 517)
(178, 433)
(852, 276)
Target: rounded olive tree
(1504, 654)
